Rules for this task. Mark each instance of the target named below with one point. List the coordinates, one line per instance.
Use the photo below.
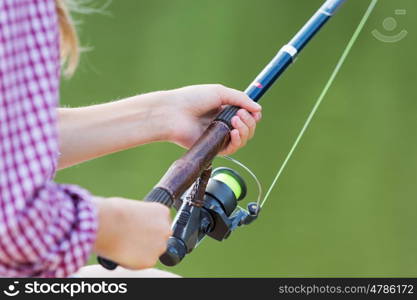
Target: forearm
(93, 131)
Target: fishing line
(322, 95)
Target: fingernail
(258, 116)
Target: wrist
(107, 236)
(153, 116)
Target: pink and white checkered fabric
(46, 229)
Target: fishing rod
(207, 201)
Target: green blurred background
(346, 204)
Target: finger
(230, 96)
(242, 128)
(257, 116)
(249, 121)
(234, 144)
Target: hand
(191, 109)
(132, 233)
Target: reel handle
(107, 263)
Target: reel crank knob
(174, 254)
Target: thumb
(234, 97)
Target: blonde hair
(69, 43)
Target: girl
(49, 229)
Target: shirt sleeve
(46, 229)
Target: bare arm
(93, 131)
(179, 116)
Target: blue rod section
(286, 55)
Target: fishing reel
(208, 208)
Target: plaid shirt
(46, 229)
